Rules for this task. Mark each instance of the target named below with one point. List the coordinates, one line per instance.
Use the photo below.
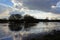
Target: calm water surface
(39, 27)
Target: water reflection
(15, 26)
(36, 28)
(39, 27)
(53, 35)
(44, 27)
(28, 26)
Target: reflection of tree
(14, 25)
(46, 23)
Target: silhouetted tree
(15, 17)
(15, 25)
(29, 21)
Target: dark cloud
(44, 5)
(56, 10)
(39, 5)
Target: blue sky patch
(7, 2)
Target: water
(38, 28)
(45, 27)
(4, 33)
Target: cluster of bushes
(16, 21)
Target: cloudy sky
(36, 8)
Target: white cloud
(53, 6)
(41, 5)
(17, 4)
(43, 15)
(49, 6)
(4, 14)
(44, 5)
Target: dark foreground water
(38, 28)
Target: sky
(36, 8)
(7, 2)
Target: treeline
(29, 21)
(25, 18)
(18, 18)
(4, 21)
